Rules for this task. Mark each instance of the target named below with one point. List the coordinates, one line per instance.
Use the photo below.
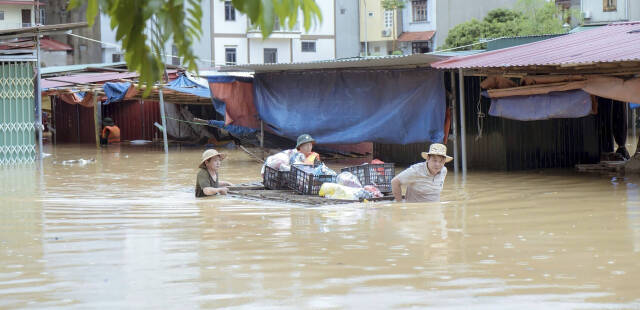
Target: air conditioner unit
(586, 14)
(386, 32)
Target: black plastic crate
(378, 175)
(305, 182)
(274, 179)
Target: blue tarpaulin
(568, 104)
(237, 131)
(185, 85)
(115, 91)
(384, 106)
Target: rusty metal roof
(416, 36)
(619, 42)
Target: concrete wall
(51, 59)
(348, 38)
(257, 46)
(625, 10)
(453, 12)
(372, 21)
(325, 49)
(84, 51)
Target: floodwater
(125, 231)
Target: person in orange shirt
(110, 132)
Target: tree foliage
(144, 27)
(529, 17)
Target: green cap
(302, 139)
(107, 121)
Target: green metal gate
(17, 117)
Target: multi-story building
(19, 14)
(235, 40)
(604, 11)
(422, 25)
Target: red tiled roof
(416, 36)
(612, 43)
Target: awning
(416, 36)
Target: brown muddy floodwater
(125, 231)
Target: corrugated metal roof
(416, 36)
(343, 63)
(93, 77)
(612, 43)
(46, 44)
(59, 69)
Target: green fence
(17, 130)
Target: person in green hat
(304, 145)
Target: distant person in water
(424, 181)
(110, 132)
(207, 183)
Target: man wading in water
(207, 183)
(424, 180)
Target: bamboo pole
(164, 122)
(96, 118)
(463, 134)
(454, 121)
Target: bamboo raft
(257, 191)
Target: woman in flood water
(424, 181)
(207, 183)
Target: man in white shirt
(423, 180)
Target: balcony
(279, 32)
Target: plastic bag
(323, 170)
(375, 192)
(348, 179)
(337, 191)
(296, 157)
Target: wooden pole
(454, 121)
(463, 134)
(96, 117)
(164, 122)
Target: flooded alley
(122, 229)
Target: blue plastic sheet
(185, 85)
(353, 106)
(228, 79)
(115, 91)
(237, 131)
(634, 105)
(568, 104)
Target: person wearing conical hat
(207, 183)
(424, 181)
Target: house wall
(347, 28)
(624, 11)
(13, 15)
(84, 51)
(408, 25)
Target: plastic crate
(378, 175)
(274, 179)
(305, 182)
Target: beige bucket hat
(437, 149)
(210, 153)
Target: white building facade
(235, 41)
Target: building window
(309, 46)
(270, 55)
(419, 47)
(609, 5)
(26, 18)
(1, 15)
(419, 9)
(388, 19)
(43, 17)
(229, 11)
(230, 56)
(175, 60)
(116, 57)
(371, 14)
(343, 10)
